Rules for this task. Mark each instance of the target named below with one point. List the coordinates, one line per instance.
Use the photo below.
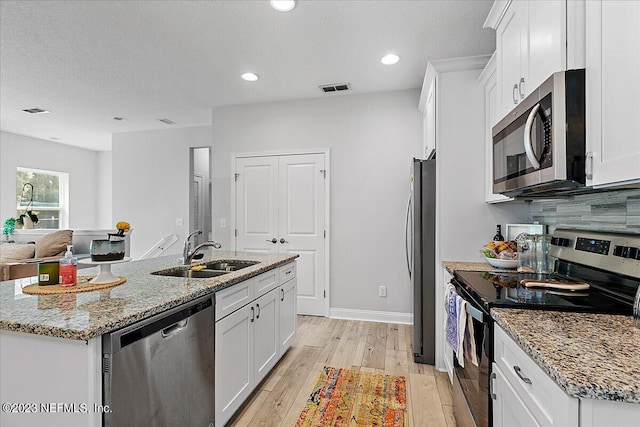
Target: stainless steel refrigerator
(421, 252)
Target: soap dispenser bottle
(68, 269)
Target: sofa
(19, 257)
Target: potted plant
(8, 227)
(28, 219)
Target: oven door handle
(475, 313)
(528, 146)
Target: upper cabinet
(490, 82)
(533, 40)
(613, 90)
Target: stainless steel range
(609, 263)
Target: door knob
(274, 240)
(283, 241)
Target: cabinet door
(613, 90)
(265, 334)
(511, 48)
(287, 329)
(234, 362)
(491, 116)
(429, 121)
(547, 41)
(508, 408)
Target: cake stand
(105, 275)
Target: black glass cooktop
(504, 289)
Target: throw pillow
(53, 244)
(17, 251)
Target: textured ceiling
(88, 61)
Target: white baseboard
(371, 316)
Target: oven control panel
(595, 246)
(615, 252)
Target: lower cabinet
(508, 408)
(288, 312)
(251, 340)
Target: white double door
(280, 208)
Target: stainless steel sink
(212, 269)
(193, 274)
(229, 265)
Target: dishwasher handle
(175, 328)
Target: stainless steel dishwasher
(160, 371)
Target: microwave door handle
(528, 146)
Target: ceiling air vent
(167, 121)
(335, 87)
(36, 110)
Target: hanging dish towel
(455, 326)
(470, 342)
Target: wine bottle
(498, 237)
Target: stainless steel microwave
(539, 147)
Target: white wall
(372, 139)
(105, 196)
(151, 183)
(81, 165)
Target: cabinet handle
(274, 240)
(283, 241)
(252, 314)
(588, 165)
(519, 374)
(282, 297)
(514, 93)
(258, 311)
(521, 87)
(491, 393)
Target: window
(49, 198)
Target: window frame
(63, 196)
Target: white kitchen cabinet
(252, 338)
(429, 121)
(266, 342)
(613, 90)
(288, 316)
(234, 375)
(508, 408)
(534, 39)
(546, 403)
(489, 80)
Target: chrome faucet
(189, 257)
(187, 245)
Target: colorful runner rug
(343, 397)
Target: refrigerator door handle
(406, 235)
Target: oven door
(472, 405)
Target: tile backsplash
(617, 211)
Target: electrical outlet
(382, 291)
(223, 223)
(179, 221)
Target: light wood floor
(366, 346)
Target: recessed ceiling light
(390, 59)
(283, 5)
(250, 77)
(36, 110)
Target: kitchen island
(50, 345)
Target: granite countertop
(451, 266)
(594, 356)
(85, 315)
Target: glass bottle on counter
(498, 237)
